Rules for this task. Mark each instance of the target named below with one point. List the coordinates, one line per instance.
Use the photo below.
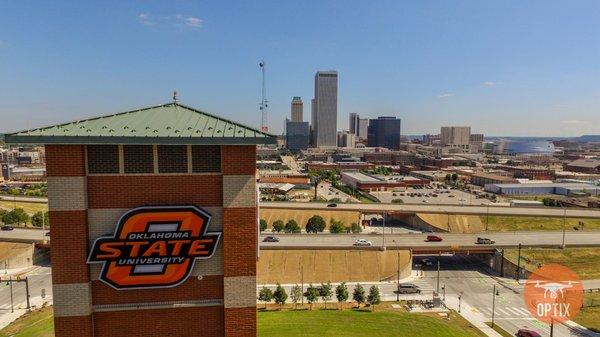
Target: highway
(418, 242)
(23, 235)
(442, 209)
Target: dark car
(408, 288)
(47, 234)
(7, 228)
(527, 333)
(271, 238)
(332, 205)
(485, 241)
(433, 238)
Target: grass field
(583, 261)
(518, 223)
(29, 207)
(350, 323)
(38, 323)
(589, 317)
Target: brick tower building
(154, 223)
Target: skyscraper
(324, 128)
(384, 132)
(353, 125)
(297, 109)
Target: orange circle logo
(553, 293)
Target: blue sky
(503, 67)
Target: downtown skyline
(505, 69)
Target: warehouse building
(135, 179)
(543, 188)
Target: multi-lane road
(450, 241)
(24, 235)
(442, 209)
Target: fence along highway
(442, 209)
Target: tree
(315, 224)
(40, 219)
(374, 297)
(280, 295)
(292, 227)
(278, 226)
(397, 201)
(326, 292)
(337, 226)
(359, 294)
(263, 225)
(454, 177)
(355, 228)
(311, 294)
(265, 295)
(2, 214)
(341, 293)
(296, 294)
(16, 216)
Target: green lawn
(361, 323)
(522, 223)
(38, 323)
(583, 261)
(589, 316)
(29, 207)
(499, 330)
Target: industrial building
(567, 189)
(371, 183)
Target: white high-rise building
(324, 114)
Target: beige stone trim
(72, 299)
(103, 221)
(239, 191)
(67, 193)
(121, 159)
(240, 292)
(155, 158)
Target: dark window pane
(138, 158)
(103, 159)
(206, 158)
(172, 159)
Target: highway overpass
(418, 244)
(440, 209)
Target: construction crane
(264, 104)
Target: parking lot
(432, 195)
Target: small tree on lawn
(296, 295)
(292, 227)
(263, 225)
(280, 295)
(315, 224)
(359, 294)
(341, 293)
(312, 295)
(356, 228)
(278, 226)
(337, 226)
(374, 297)
(265, 295)
(40, 219)
(326, 292)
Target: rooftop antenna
(174, 96)
(264, 104)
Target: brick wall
(229, 277)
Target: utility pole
(564, 226)
(519, 264)
(438, 278)
(384, 230)
(493, 305)
(397, 273)
(502, 264)
(551, 327)
(27, 291)
(302, 281)
(12, 309)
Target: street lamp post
(398, 272)
(459, 298)
(384, 230)
(437, 289)
(487, 217)
(494, 294)
(564, 226)
(519, 264)
(444, 291)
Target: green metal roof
(170, 123)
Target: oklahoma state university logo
(154, 247)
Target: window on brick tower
(172, 159)
(138, 158)
(206, 158)
(103, 159)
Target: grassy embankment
(521, 223)
(583, 261)
(38, 323)
(589, 316)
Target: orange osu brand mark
(154, 247)
(553, 293)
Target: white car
(363, 243)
